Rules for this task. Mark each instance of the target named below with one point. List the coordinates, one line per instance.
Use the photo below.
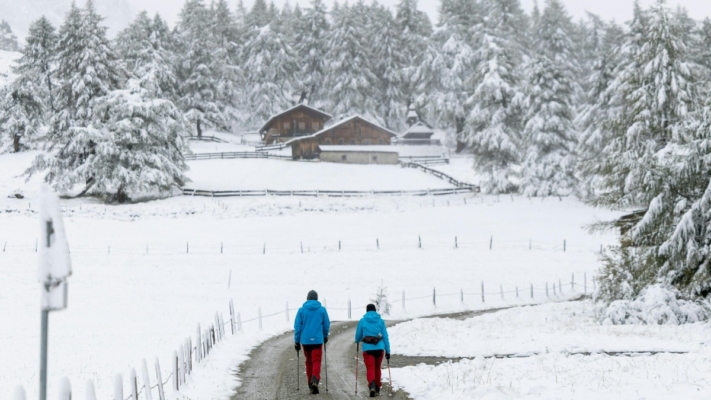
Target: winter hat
(312, 295)
(370, 307)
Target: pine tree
(225, 59)
(310, 44)
(390, 62)
(494, 126)
(21, 112)
(415, 29)
(198, 90)
(348, 70)
(444, 78)
(87, 70)
(270, 70)
(37, 60)
(8, 40)
(549, 135)
(258, 16)
(139, 147)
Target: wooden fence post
(146, 381)
(517, 292)
(198, 338)
(434, 296)
(133, 384)
(118, 387)
(91, 391)
(531, 290)
(181, 363)
(572, 282)
(456, 243)
(491, 242)
(564, 245)
(461, 295)
(176, 373)
(65, 389)
(349, 308)
(159, 377)
(419, 241)
(232, 316)
(483, 299)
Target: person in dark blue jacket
(372, 333)
(311, 329)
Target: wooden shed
(352, 131)
(300, 120)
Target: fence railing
(327, 193)
(206, 139)
(233, 155)
(442, 175)
(270, 147)
(190, 354)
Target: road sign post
(53, 270)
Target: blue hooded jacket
(371, 325)
(311, 324)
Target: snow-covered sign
(54, 263)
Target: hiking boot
(373, 387)
(314, 385)
(377, 390)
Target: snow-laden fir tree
(8, 40)
(349, 71)
(198, 86)
(597, 107)
(270, 70)
(657, 161)
(415, 29)
(494, 126)
(21, 113)
(138, 146)
(259, 16)
(445, 77)
(225, 60)
(310, 44)
(37, 60)
(390, 61)
(87, 70)
(549, 137)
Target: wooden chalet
(350, 131)
(300, 120)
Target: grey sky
(620, 10)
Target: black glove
(325, 340)
(387, 356)
(297, 346)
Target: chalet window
(344, 157)
(381, 141)
(375, 158)
(287, 125)
(353, 141)
(327, 141)
(367, 141)
(302, 125)
(340, 141)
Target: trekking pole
(297, 370)
(391, 379)
(325, 351)
(357, 346)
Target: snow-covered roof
(362, 148)
(337, 124)
(419, 127)
(412, 114)
(271, 119)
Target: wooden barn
(350, 131)
(298, 121)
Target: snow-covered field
(551, 343)
(260, 174)
(146, 274)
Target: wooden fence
(232, 155)
(328, 193)
(443, 176)
(207, 139)
(270, 147)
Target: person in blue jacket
(311, 329)
(372, 333)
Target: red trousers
(373, 362)
(313, 361)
